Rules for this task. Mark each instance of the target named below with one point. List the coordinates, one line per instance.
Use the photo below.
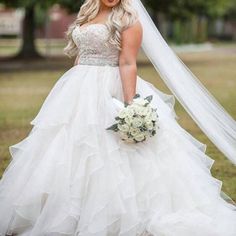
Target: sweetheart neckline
(95, 24)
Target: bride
(72, 176)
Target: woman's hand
(131, 39)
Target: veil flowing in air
(209, 115)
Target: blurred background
(202, 32)
(31, 27)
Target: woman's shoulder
(134, 28)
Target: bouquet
(136, 121)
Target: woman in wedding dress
(71, 176)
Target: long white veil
(210, 116)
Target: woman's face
(110, 3)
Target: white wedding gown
(71, 176)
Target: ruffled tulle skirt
(71, 176)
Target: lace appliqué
(93, 46)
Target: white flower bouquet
(136, 121)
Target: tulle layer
(71, 176)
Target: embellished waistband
(100, 64)
(97, 62)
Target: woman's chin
(110, 3)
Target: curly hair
(122, 16)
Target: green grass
(22, 94)
(9, 47)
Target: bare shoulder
(131, 38)
(133, 33)
(136, 29)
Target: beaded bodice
(93, 46)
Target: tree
(181, 9)
(189, 18)
(28, 48)
(186, 8)
(231, 10)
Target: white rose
(148, 118)
(122, 113)
(137, 122)
(134, 106)
(138, 110)
(154, 116)
(128, 120)
(140, 101)
(130, 112)
(134, 109)
(149, 125)
(149, 109)
(123, 128)
(144, 111)
(134, 131)
(140, 137)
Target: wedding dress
(71, 176)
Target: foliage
(183, 10)
(71, 5)
(231, 11)
(35, 14)
(173, 8)
(186, 8)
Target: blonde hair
(122, 16)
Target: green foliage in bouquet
(136, 121)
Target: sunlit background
(202, 32)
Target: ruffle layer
(70, 176)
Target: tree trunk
(28, 48)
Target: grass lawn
(9, 47)
(23, 92)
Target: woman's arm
(131, 39)
(76, 60)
